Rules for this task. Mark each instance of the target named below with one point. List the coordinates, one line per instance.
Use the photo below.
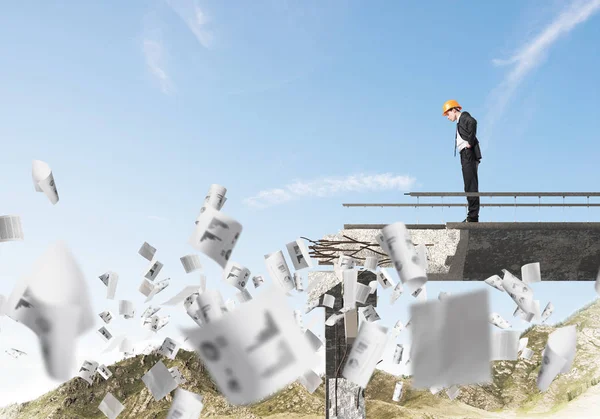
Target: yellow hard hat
(449, 104)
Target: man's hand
(468, 146)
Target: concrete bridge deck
(475, 251)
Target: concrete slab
(476, 251)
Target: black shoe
(475, 220)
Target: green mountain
(513, 391)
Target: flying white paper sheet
(365, 353)
(258, 280)
(43, 180)
(451, 341)
(328, 300)
(236, 275)
(453, 392)
(362, 292)
(397, 392)
(191, 263)
(110, 279)
(216, 235)
(88, 371)
(110, 406)
(177, 376)
(298, 281)
(243, 296)
(105, 333)
(547, 311)
(298, 317)
(398, 327)
(315, 342)
(158, 322)
(558, 355)
(435, 389)
(126, 346)
(397, 358)
(255, 350)
(215, 199)
(147, 287)
(181, 295)
(333, 319)
(519, 291)
(505, 345)
(150, 311)
(382, 243)
(152, 270)
(279, 271)
(526, 354)
(159, 381)
(104, 372)
(10, 228)
(384, 278)
(522, 344)
(404, 256)
(351, 325)
(147, 251)
(371, 262)
(210, 305)
(420, 293)
(15, 353)
(54, 303)
(106, 316)
(299, 254)
(344, 262)
(370, 314)
(498, 321)
(169, 348)
(310, 380)
(202, 283)
(114, 343)
(530, 273)
(528, 317)
(350, 278)
(396, 293)
(193, 310)
(496, 282)
(443, 295)
(126, 309)
(186, 405)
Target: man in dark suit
(470, 153)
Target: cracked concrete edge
(441, 244)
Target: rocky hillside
(513, 389)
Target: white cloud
(195, 19)
(154, 53)
(532, 54)
(329, 186)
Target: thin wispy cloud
(329, 186)
(154, 52)
(532, 54)
(195, 19)
(154, 48)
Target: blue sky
(295, 107)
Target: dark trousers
(469, 170)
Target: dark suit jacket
(467, 128)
